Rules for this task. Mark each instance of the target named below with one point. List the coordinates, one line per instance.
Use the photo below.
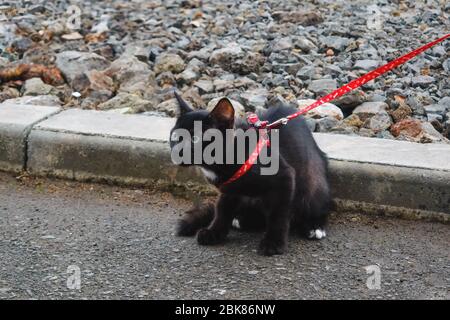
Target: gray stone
(351, 99)
(169, 107)
(226, 56)
(188, 75)
(385, 135)
(298, 17)
(137, 50)
(73, 63)
(366, 64)
(192, 71)
(72, 36)
(3, 62)
(335, 42)
(415, 106)
(445, 102)
(223, 84)
(44, 100)
(277, 101)
(305, 45)
(439, 51)
(446, 65)
(133, 102)
(369, 109)
(166, 79)
(254, 98)
(245, 82)
(379, 122)
(322, 86)
(202, 54)
(342, 128)
(422, 81)
(430, 134)
(36, 87)
(326, 124)
(322, 111)
(22, 44)
(9, 93)
(193, 97)
(196, 64)
(291, 68)
(169, 62)
(332, 69)
(377, 97)
(414, 130)
(307, 72)
(282, 44)
(251, 62)
(434, 117)
(132, 75)
(94, 82)
(94, 98)
(353, 121)
(436, 108)
(205, 86)
(366, 132)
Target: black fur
(200, 216)
(296, 198)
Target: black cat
(297, 197)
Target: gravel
(250, 51)
(122, 241)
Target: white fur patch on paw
(317, 234)
(236, 224)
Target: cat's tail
(200, 216)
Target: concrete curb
(133, 149)
(16, 122)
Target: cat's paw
(208, 237)
(185, 228)
(200, 216)
(317, 234)
(268, 247)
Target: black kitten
(297, 197)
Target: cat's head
(189, 129)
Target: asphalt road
(122, 243)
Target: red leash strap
(253, 120)
(262, 142)
(357, 82)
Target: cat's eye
(195, 139)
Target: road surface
(116, 243)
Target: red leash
(253, 120)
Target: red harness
(263, 126)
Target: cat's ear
(223, 114)
(184, 107)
